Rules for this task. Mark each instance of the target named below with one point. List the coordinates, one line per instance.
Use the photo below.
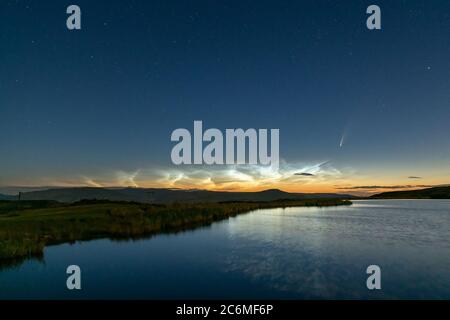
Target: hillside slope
(430, 193)
(153, 195)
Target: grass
(27, 227)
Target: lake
(292, 253)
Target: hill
(7, 197)
(429, 193)
(155, 195)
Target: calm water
(298, 253)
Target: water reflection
(317, 253)
(295, 253)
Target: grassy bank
(26, 227)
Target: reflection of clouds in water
(324, 252)
(304, 276)
(292, 272)
(275, 247)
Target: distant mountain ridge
(7, 197)
(156, 195)
(429, 193)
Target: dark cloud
(414, 177)
(305, 174)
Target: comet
(341, 143)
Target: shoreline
(27, 227)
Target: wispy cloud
(127, 178)
(91, 183)
(231, 177)
(414, 177)
(320, 176)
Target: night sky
(358, 110)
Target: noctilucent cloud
(358, 110)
